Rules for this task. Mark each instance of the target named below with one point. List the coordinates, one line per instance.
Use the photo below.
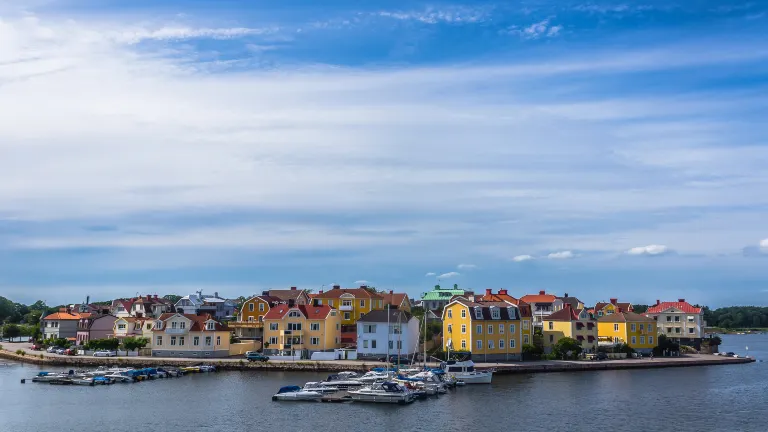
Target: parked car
(69, 351)
(602, 356)
(402, 360)
(253, 356)
(372, 357)
(105, 353)
(60, 351)
(37, 347)
(52, 349)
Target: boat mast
(388, 340)
(425, 340)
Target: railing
(175, 331)
(346, 308)
(249, 324)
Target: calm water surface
(682, 399)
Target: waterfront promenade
(239, 363)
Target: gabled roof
(285, 295)
(624, 317)
(62, 316)
(358, 293)
(541, 297)
(681, 305)
(393, 298)
(507, 311)
(623, 306)
(567, 313)
(525, 308)
(573, 301)
(380, 316)
(444, 294)
(309, 312)
(198, 321)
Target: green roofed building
(436, 299)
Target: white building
(679, 320)
(198, 303)
(373, 338)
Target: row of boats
(381, 385)
(111, 375)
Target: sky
(597, 148)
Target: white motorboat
(49, 376)
(320, 387)
(383, 392)
(374, 376)
(341, 383)
(296, 393)
(84, 381)
(119, 378)
(465, 371)
(428, 381)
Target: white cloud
(648, 250)
(430, 274)
(448, 275)
(466, 267)
(561, 255)
(139, 34)
(536, 30)
(454, 15)
(362, 282)
(521, 258)
(764, 244)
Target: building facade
(611, 307)
(439, 297)
(352, 304)
(186, 335)
(301, 329)
(250, 319)
(489, 330)
(542, 306)
(62, 324)
(572, 323)
(637, 331)
(526, 314)
(201, 304)
(95, 327)
(679, 321)
(395, 332)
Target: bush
(567, 348)
(21, 352)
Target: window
(677, 318)
(551, 338)
(634, 340)
(273, 326)
(495, 313)
(346, 316)
(642, 327)
(669, 329)
(463, 344)
(501, 329)
(490, 344)
(650, 327)
(690, 318)
(634, 327)
(399, 345)
(173, 340)
(251, 307)
(346, 303)
(182, 325)
(691, 330)
(526, 339)
(501, 343)
(525, 325)
(599, 313)
(211, 325)
(122, 326)
(196, 341)
(261, 307)
(391, 345)
(642, 340)
(677, 329)
(330, 303)
(272, 341)
(463, 328)
(615, 327)
(463, 313)
(250, 319)
(365, 343)
(512, 328)
(478, 313)
(218, 340)
(551, 325)
(159, 341)
(208, 340)
(319, 302)
(362, 303)
(669, 318)
(181, 340)
(174, 324)
(490, 328)
(479, 329)
(650, 340)
(511, 343)
(294, 326)
(450, 328)
(450, 313)
(373, 343)
(479, 344)
(314, 326)
(314, 341)
(294, 314)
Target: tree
(172, 297)
(7, 310)
(639, 309)
(61, 342)
(134, 343)
(566, 348)
(11, 331)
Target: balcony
(346, 308)
(175, 331)
(245, 324)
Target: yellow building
(526, 314)
(352, 303)
(302, 328)
(490, 330)
(610, 308)
(250, 319)
(573, 323)
(186, 335)
(637, 331)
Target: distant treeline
(741, 317)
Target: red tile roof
(525, 308)
(198, 321)
(567, 313)
(63, 316)
(680, 304)
(307, 311)
(393, 298)
(625, 317)
(541, 297)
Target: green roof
(442, 293)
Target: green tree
(639, 309)
(134, 343)
(11, 331)
(103, 344)
(7, 310)
(61, 342)
(172, 297)
(567, 348)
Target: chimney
(566, 295)
(155, 295)
(658, 302)
(216, 294)
(542, 292)
(363, 286)
(293, 288)
(681, 300)
(614, 301)
(336, 286)
(391, 292)
(290, 303)
(502, 292)
(321, 291)
(488, 291)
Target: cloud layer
(648, 250)
(521, 258)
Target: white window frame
(314, 326)
(634, 340)
(479, 344)
(490, 328)
(512, 329)
(501, 328)
(501, 343)
(450, 313)
(478, 313)
(490, 344)
(261, 307)
(314, 340)
(463, 313)
(479, 329)
(512, 344)
(463, 329)
(615, 327)
(650, 340)
(159, 341)
(251, 307)
(633, 327)
(463, 344)
(196, 341)
(274, 326)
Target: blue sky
(599, 148)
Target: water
(696, 399)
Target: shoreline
(360, 366)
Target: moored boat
(48, 376)
(341, 383)
(320, 387)
(465, 371)
(383, 392)
(296, 393)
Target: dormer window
(211, 325)
(511, 313)
(478, 313)
(159, 325)
(495, 313)
(294, 314)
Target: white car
(60, 351)
(104, 353)
(52, 349)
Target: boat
(207, 368)
(341, 383)
(426, 381)
(383, 392)
(102, 380)
(296, 393)
(48, 376)
(465, 371)
(83, 381)
(320, 387)
(376, 375)
(119, 378)
(190, 369)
